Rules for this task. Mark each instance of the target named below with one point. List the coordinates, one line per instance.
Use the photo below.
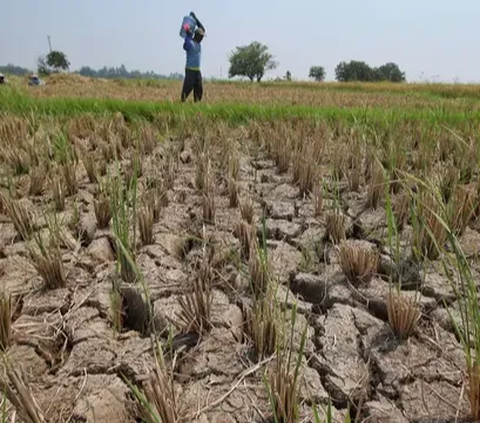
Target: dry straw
(335, 223)
(70, 177)
(359, 263)
(6, 312)
(103, 214)
(247, 236)
(38, 177)
(403, 314)
(195, 309)
(145, 224)
(19, 215)
(260, 327)
(18, 392)
(157, 402)
(47, 260)
(247, 210)
(58, 193)
(232, 193)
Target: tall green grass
(282, 385)
(18, 102)
(418, 89)
(458, 270)
(123, 204)
(425, 90)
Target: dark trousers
(193, 81)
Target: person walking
(193, 75)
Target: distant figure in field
(192, 45)
(35, 80)
(3, 80)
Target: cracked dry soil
(75, 362)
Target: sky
(431, 40)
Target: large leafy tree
(252, 61)
(57, 61)
(390, 72)
(318, 73)
(354, 71)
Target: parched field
(282, 253)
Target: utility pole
(49, 43)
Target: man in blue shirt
(193, 75)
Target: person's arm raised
(199, 24)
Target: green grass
(417, 89)
(123, 195)
(424, 89)
(427, 90)
(18, 102)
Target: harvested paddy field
(252, 263)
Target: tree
(354, 71)
(57, 61)
(360, 71)
(42, 67)
(390, 72)
(318, 73)
(251, 61)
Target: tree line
(122, 72)
(361, 71)
(252, 61)
(14, 70)
(57, 61)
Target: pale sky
(438, 39)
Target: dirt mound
(69, 79)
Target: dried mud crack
(251, 256)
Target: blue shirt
(194, 53)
